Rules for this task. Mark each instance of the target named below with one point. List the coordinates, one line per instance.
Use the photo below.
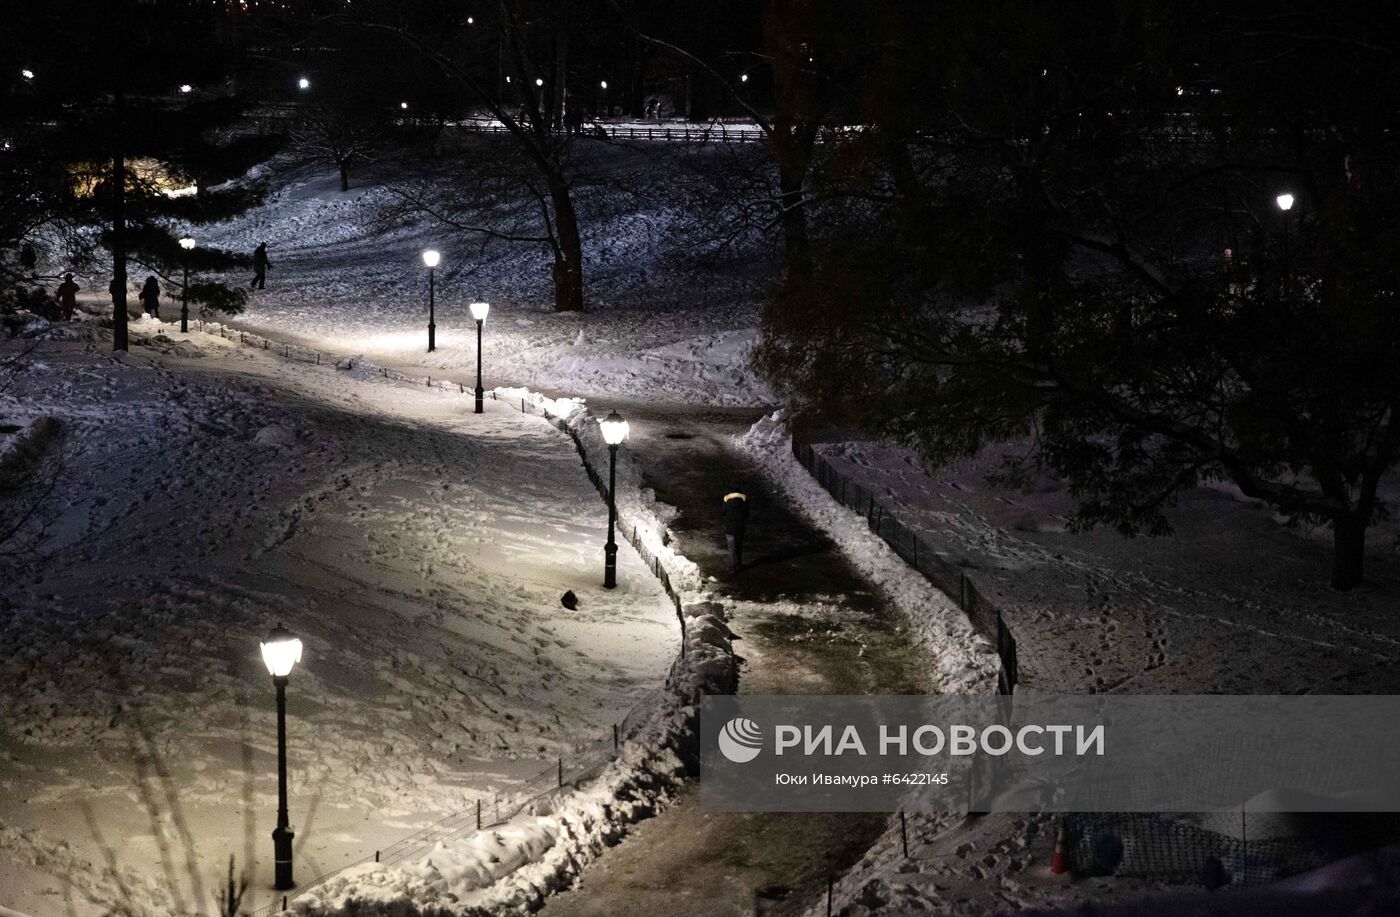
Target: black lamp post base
(432, 338)
(282, 858)
(480, 398)
(610, 566)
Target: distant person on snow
(68, 296)
(736, 519)
(150, 297)
(260, 266)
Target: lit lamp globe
(431, 258)
(1284, 201)
(280, 651)
(479, 310)
(187, 244)
(614, 429)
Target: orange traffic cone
(1059, 860)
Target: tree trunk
(119, 330)
(1348, 551)
(568, 257)
(344, 176)
(792, 199)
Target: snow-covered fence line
(639, 516)
(923, 556)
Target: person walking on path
(736, 519)
(150, 297)
(68, 296)
(260, 266)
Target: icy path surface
(419, 550)
(808, 623)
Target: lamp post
(280, 651)
(1285, 204)
(479, 310)
(614, 432)
(188, 245)
(431, 258)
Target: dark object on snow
(150, 297)
(260, 266)
(569, 600)
(736, 519)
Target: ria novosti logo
(740, 740)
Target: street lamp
(1285, 204)
(27, 73)
(280, 651)
(431, 258)
(186, 88)
(479, 310)
(303, 83)
(188, 245)
(614, 432)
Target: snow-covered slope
(663, 322)
(210, 490)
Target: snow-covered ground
(669, 317)
(208, 491)
(1234, 601)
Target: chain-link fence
(922, 555)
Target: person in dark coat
(150, 297)
(736, 519)
(260, 266)
(68, 296)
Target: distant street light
(743, 77)
(431, 259)
(539, 82)
(280, 652)
(1284, 201)
(604, 84)
(186, 88)
(188, 245)
(403, 105)
(303, 83)
(614, 432)
(479, 310)
(27, 73)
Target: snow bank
(965, 661)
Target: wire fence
(1169, 847)
(585, 760)
(923, 556)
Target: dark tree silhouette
(1062, 224)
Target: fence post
(376, 856)
(478, 815)
(830, 884)
(561, 771)
(318, 358)
(615, 741)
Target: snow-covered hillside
(670, 316)
(210, 490)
